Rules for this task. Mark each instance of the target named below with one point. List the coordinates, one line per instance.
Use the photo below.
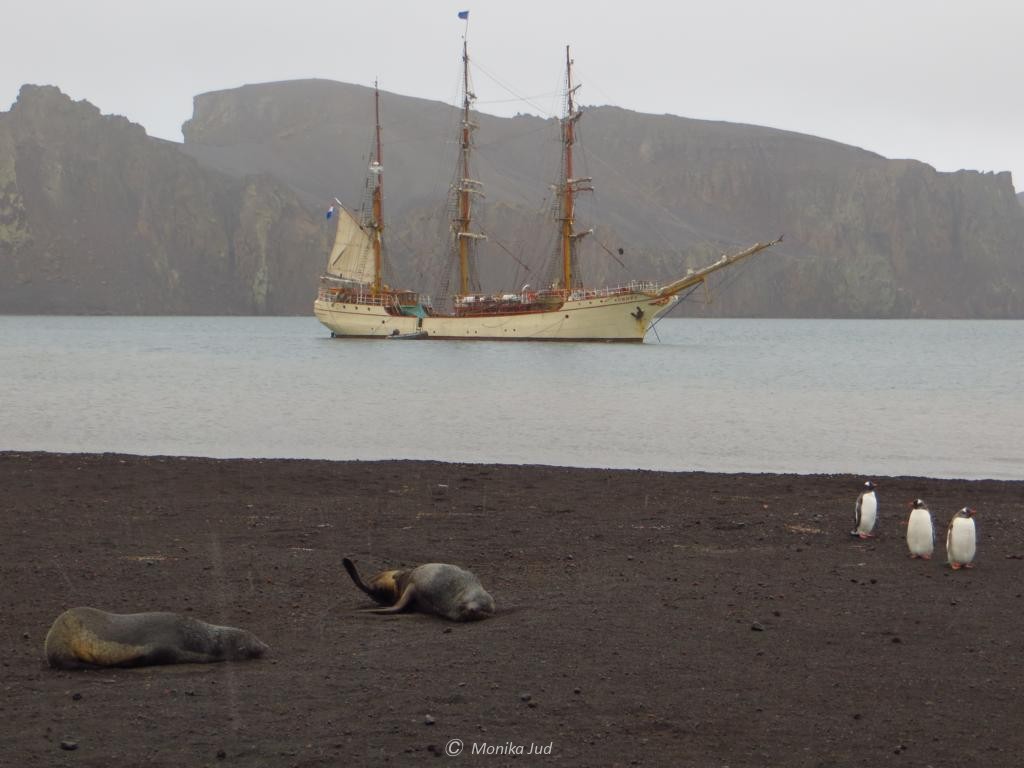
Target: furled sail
(352, 255)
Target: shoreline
(845, 475)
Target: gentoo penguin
(961, 539)
(865, 513)
(920, 534)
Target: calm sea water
(934, 398)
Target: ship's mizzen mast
(571, 185)
(377, 169)
(467, 186)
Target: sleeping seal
(87, 638)
(438, 588)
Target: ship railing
(475, 298)
(633, 286)
(344, 296)
(477, 301)
(392, 300)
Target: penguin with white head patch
(920, 533)
(865, 513)
(961, 540)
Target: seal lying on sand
(438, 588)
(87, 638)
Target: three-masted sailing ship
(354, 301)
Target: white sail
(352, 255)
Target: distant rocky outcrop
(97, 217)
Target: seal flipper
(404, 602)
(351, 568)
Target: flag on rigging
(463, 14)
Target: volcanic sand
(644, 618)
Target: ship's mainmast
(467, 186)
(377, 169)
(571, 185)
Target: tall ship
(354, 301)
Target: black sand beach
(644, 618)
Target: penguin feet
(926, 557)
(955, 566)
(866, 535)
(968, 565)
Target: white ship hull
(623, 317)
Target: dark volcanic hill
(95, 216)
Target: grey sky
(934, 80)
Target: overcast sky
(935, 80)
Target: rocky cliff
(865, 236)
(97, 217)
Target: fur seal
(88, 638)
(438, 588)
